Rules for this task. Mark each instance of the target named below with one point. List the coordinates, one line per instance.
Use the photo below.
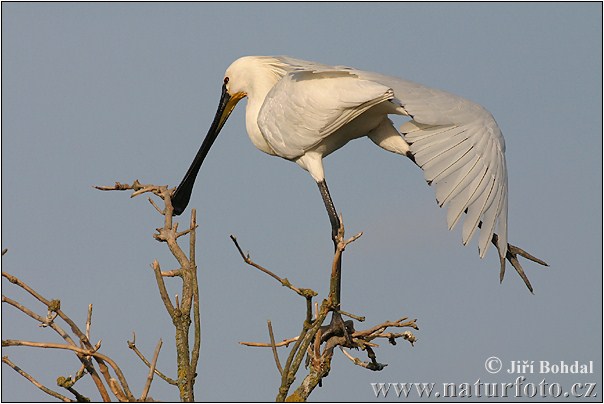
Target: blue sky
(94, 93)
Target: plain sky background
(94, 93)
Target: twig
(152, 202)
(386, 324)
(86, 352)
(151, 371)
(132, 345)
(274, 347)
(284, 281)
(353, 316)
(79, 397)
(163, 292)
(181, 313)
(39, 318)
(172, 273)
(285, 343)
(88, 321)
(358, 362)
(35, 382)
(196, 315)
(117, 390)
(86, 362)
(52, 305)
(79, 374)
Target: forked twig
(132, 345)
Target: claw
(512, 256)
(338, 328)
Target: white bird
(303, 111)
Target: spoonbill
(303, 111)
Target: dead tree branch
(186, 309)
(317, 341)
(132, 345)
(53, 308)
(35, 382)
(151, 372)
(109, 377)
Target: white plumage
(308, 110)
(303, 111)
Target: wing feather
(455, 141)
(461, 149)
(312, 105)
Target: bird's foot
(338, 328)
(511, 255)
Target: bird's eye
(226, 80)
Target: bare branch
(196, 316)
(35, 382)
(163, 292)
(86, 352)
(151, 371)
(284, 281)
(117, 390)
(132, 345)
(157, 208)
(358, 362)
(274, 347)
(55, 306)
(39, 318)
(285, 343)
(171, 274)
(88, 321)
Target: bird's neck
(254, 103)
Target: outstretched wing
(461, 150)
(306, 106)
(455, 141)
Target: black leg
(331, 209)
(337, 327)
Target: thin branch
(284, 281)
(274, 347)
(172, 273)
(285, 343)
(88, 321)
(358, 362)
(188, 299)
(152, 202)
(86, 352)
(35, 382)
(151, 371)
(132, 345)
(371, 332)
(163, 292)
(79, 397)
(39, 318)
(117, 390)
(192, 237)
(196, 315)
(353, 316)
(86, 362)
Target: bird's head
(240, 79)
